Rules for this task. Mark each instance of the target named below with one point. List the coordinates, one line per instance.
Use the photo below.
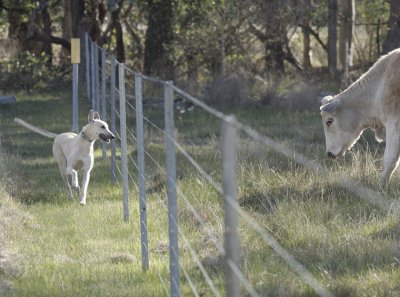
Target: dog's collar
(84, 136)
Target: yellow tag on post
(75, 50)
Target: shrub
(227, 90)
(31, 73)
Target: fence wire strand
(296, 266)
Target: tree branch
(257, 32)
(52, 39)
(316, 36)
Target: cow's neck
(360, 97)
(362, 93)
(358, 93)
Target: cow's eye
(329, 122)
(103, 127)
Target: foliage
(210, 39)
(30, 73)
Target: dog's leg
(85, 183)
(65, 179)
(74, 177)
(62, 164)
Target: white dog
(75, 151)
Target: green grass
(64, 249)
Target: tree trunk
(275, 56)
(66, 27)
(332, 36)
(347, 18)
(115, 24)
(192, 69)
(119, 37)
(46, 19)
(14, 21)
(77, 8)
(306, 35)
(306, 48)
(218, 60)
(392, 40)
(16, 30)
(158, 41)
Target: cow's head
(341, 126)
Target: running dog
(74, 152)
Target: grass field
(62, 249)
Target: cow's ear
(326, 99)
(96, 115)
(332, 107)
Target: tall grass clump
(12, 220)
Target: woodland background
(229, 52)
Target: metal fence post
(96, 76)
(113, 128)
(231, 243)
(87, 62)
(124, 154)
(75, 71)
(141, 170)
(103, 94)
(171, 189)
(75, 60)
(92, 70)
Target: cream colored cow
(373, 101)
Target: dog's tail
(35, 129)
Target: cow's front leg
(85, 183)
(391, 155)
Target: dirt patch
(122, 258)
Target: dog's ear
(90, 116)
(96, 115)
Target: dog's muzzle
(106, 138)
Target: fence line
(146, 247)
(234, 275)
(124, 157)
(113, 119)
(141, 170)
(87, 65)
(171, 188)
(296, 266)
(229, 152)
(103, 92)
(232, 266)
(198, 218)
(174, 281)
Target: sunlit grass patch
(349, 245)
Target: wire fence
(153, 156)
